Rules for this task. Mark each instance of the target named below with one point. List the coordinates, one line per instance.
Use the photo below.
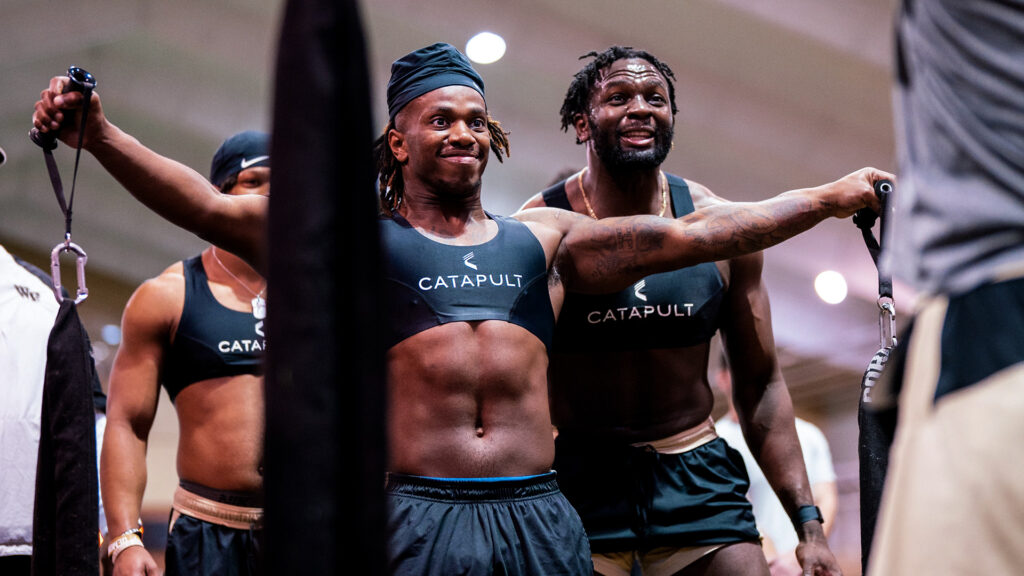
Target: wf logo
(27, 293)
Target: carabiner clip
(81, 258)
(887, 322)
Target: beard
(611, 153)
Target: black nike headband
(241, 151)
(428, 69)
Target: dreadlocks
(389, 170)
(577, 99)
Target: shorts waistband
(233, 497)
(683, 441)
(207, 510)
(471, 489)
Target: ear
(396, 141)
(582, 125)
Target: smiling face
(629, 122)
(442, 141)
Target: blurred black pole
(325, 442)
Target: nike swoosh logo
(251, 161)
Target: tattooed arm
(609, 254)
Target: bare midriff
(221, 425)
(468, 400)
(631, 395)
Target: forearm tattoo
(618, 248)
(624, 249)
(734, 229)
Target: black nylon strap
(66, 205)
(865, 220)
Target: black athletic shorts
(633, 498)
(199, 548)
(520, 526)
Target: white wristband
(122, 543)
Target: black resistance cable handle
(79, 80)
(865, 217)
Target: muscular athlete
(468, 393)
(629, 369)
(197, 329)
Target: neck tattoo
(259, 303)
(590, 209)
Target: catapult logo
(638, 290)
(479, 280)
(244, 345)
(640, 312)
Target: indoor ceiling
(772, 95)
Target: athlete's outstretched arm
(611, 253)
(169, 188)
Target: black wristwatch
(806, 514)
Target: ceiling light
(485, 48)
(830, 286)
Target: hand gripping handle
(79, 79)
(865, 217)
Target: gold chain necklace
(590, 209)
(259, 304)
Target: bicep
(135, 375)
(610, 254)
(606, 255)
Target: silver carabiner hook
(887, 322)
(81, 258)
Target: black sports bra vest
(211, 340)
(667, 310)
(428, 283)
